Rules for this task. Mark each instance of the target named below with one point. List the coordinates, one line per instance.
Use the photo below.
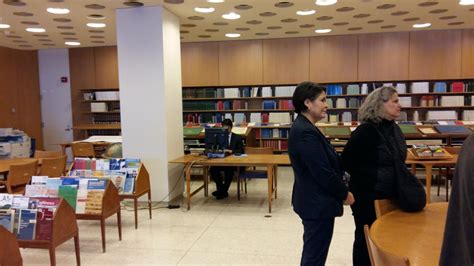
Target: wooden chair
(83, 149)
(380, 257)
(142, 187)
(253, 173)
(447, 172)
(19, 176)
(40, 154)
(9, 249)
(53, 167)
(384, 206)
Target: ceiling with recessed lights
(27, 24)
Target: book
(337, 131)
(427, 130)
(39, 180)
(408, 129)
(36, 190)
(44, 224)
(129, 185)
(94, 202)
(27, 224)
(7, 218)
(6, 201)
(20, 202)
(52, 186)
(452, 129)
(68, 193)
(117, 178)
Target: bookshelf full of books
(268, 110)
(100, 111)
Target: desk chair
(384, 206)
(380, 257)
(253, 173)
(83, 149)
(40, 154)
(9, 249)
(19, 176)
(447, 172)
(53, 167)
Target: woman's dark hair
(227, 122)
(306, 90)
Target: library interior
(260, 132)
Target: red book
(265, 118)
(457, 87)
(257, 133)
(44, 224)
(220, 105)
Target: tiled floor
(212, 232)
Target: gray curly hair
(372, 109)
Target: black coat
(318, 190)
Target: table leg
(275, 179)
(206, 181)
(270, 186)
(413, 168)
(188, 185)
(429, 175)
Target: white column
(149, 59)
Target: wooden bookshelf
(142, 187)
(110, 206)
(64, 228)
(100, 89)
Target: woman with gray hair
(368, 157)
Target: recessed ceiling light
(323, 30)
(424, 25)
(231, 15)
(96, 25)
(4, 26)
(204, 9)
(325, 2)
(57, 10)
(215, 1)
(35, 29)
(466, 2)
(306, 12)
(73, 43)
(232, 35)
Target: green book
(408, 129)
(69, 193)
(192, 131)
(337, 131)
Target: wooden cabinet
(285, 61)
(435, 54)
(467, 54)
(106, 67)
(8, 88)
(333, 59)
(240, 62)
(200, 64)
(383, 56)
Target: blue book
(269, 105)
(96, 184)
(27, 224)
(7, 219)
(129, 185)
(115, 164)
(440, 87)
(70, 181)
(449, 129)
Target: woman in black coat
(319, 190)
(369, 158)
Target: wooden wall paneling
(240, 63)
(467, 54)
(285, 61)
(106, 67)
(29, 99)
(383, 56)
(82, 71)
(435, 54)
(200, 64)
(8, 88)
(333, 58)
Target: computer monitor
(216, 140)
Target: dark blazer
(319, 190)
(236, 143)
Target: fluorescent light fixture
(73, 43)
(60, 11)
(215, 1)
(323, 30)
(4, 26)
(204, 9)
(424, 25)
(35, 29)
(231, 15)
(466, 2)
(232, 35)
(306, 12)
(325, 2)
(96, 25)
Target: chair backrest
(83, 149)
(53, 167)
(39, 154)
(20, 175)
(259, 150)
(380, 257)
(9, 249)
(384, 206)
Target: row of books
(431, 100)
(344, 103)
(29, 218)
(102, 96)
(266, 91)
(106, 119)
(268, 133)
(276, 144)
(201, 118)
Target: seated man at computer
(236, 145)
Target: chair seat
(253, 174)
